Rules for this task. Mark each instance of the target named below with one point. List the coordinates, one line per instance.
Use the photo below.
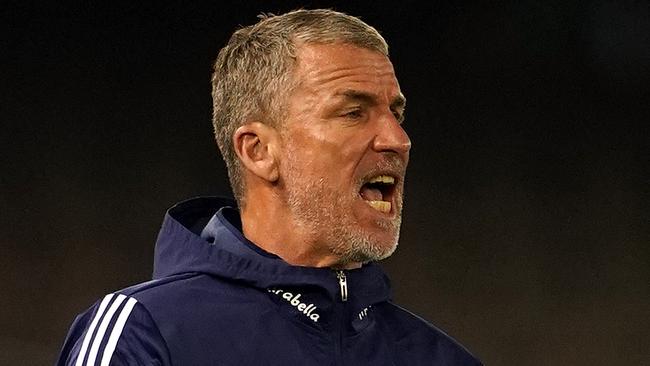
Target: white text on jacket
(294, 300)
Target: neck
(271, 226)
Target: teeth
(387, 179)
(381, 206)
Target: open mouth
(378, 192)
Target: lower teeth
(381, 206)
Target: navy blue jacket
(218, 299)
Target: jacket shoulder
(414, 335)
(117, 330)
(172, 296)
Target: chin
(365, 247)
(383, 254)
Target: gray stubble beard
(314, 207)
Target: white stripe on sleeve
(102, 329)
(91, 329)
(117, 331)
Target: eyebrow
(368, 98)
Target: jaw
(369, 235)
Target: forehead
(339, 66)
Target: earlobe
(255, 145)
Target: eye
(399, 116)
(353, 114)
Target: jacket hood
(180, 248)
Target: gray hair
(253, 73)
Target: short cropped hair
(252, 75)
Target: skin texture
(303, 180)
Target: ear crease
(255, 150)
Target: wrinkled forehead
(342, 63)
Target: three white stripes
(101, 331)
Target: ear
(256, 145)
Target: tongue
(371, 194)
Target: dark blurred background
(526, 228)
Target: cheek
(317, 152)
(324, 153)
(336, 160)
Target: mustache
(389, 164)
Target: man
(307, 115)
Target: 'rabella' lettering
(294, 300)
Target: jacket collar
(224, 252)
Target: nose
(391, 137)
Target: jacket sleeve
(117, 330)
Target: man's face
(344, 152)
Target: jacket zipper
(343, 283)
(340, 317)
